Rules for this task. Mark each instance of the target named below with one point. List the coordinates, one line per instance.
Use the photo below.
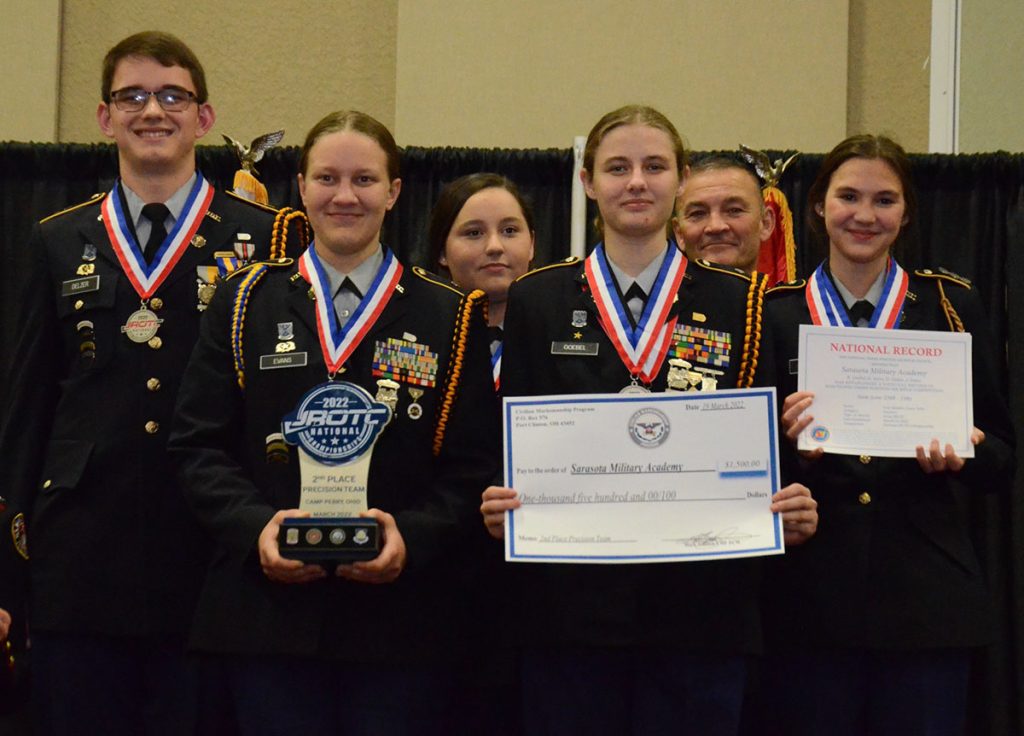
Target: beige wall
(535, 73)
(269, 63)
(473, 73)
(890, 46)
(29, 57)
(991, 76)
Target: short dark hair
(724, 162)
(162, 47)
(451, 201)
(360, 122)
(862, 146)
(721, 162)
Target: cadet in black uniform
(637, 648)
(898, 597)
(14, 716)
(360, 648)
(117, 288)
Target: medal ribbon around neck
(146, 278)
(339, 342)
(642, 348)
(827, 307)
(496, 366)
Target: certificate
(612, 478)
(884, 392)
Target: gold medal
(141, 325)
(415, 410)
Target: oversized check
(884, 392)
(612, 478)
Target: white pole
(944, 112)
(577, 240)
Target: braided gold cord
(952, 318)
(458, 354)
(302, 226)
(752, 334)
(238, 320)
(276, 245)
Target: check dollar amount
(656, 478)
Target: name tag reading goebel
(335, 427)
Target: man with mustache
(721, 215)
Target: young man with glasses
(117, 288)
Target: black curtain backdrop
(970, 220)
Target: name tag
(574, 348)
(80, 286)
(284, 360)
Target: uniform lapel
(218, 234)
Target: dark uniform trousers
(628, 648)
(334, 655)
(888, 597)
(116, 556)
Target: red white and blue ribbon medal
(339, 342)
(828, 308)
(144, 277)
(496, 365)
(337, 423)
(643, 348)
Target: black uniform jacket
(697, 606)
(892, 565)
(220, 441)
(114, 549)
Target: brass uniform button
(152, 427)
(156, 304)
(864, 498)
(79, 304)
(865, 459)
(153, 384)
(47, 483)
(155, 342)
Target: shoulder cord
(238, 319)
(462, 321)
(952, 318)
(752, 335)
(279, 233)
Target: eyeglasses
(133, 99)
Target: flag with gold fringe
(246, 184)
(777, 257)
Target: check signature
(726, 537)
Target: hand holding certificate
(654, 478)
(886, 392)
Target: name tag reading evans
(282, 360)
(574, 348)
(80, 286)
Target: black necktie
(157, 213)
(634, 292)
(349, 285)
(495, 333)
(862, 309)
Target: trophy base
(329, 539)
